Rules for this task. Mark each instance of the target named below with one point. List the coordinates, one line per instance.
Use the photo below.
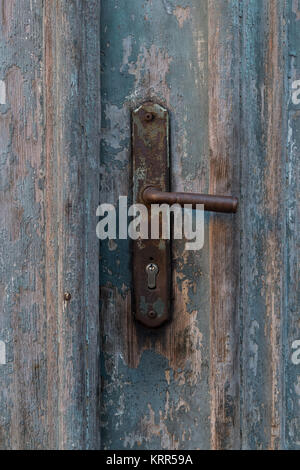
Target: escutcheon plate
(150, 157)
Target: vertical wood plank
(292, 324)
(263, 222)
(224, 147)
(22, 263)
(155, 383)
(72, 150)
(49, 194)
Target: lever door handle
(151, 183)
(228, 204)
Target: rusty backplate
(150, 156)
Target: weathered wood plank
(179, 387)
(292, 324)
(263, 215)
(235, 66)
(72, 106)
(49, 127)
(155, 384)
(23, 322)
(224, 148)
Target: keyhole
(152, 270)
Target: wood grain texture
(263, 228)
(221, 373)
(224, 148)
(49, 193)
(291, 334)
(155, 384)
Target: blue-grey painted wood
(291, 338)
(224, 263)
(225, 374)
(175, 388)
(269, 217)
(49, 156)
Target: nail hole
(67, 296)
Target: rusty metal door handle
(227, 204)
(151, 183)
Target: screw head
(149, 116)
(152, 314)
(67, 296)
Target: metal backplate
(150, 155)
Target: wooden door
(76, 370)
(221, 374)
